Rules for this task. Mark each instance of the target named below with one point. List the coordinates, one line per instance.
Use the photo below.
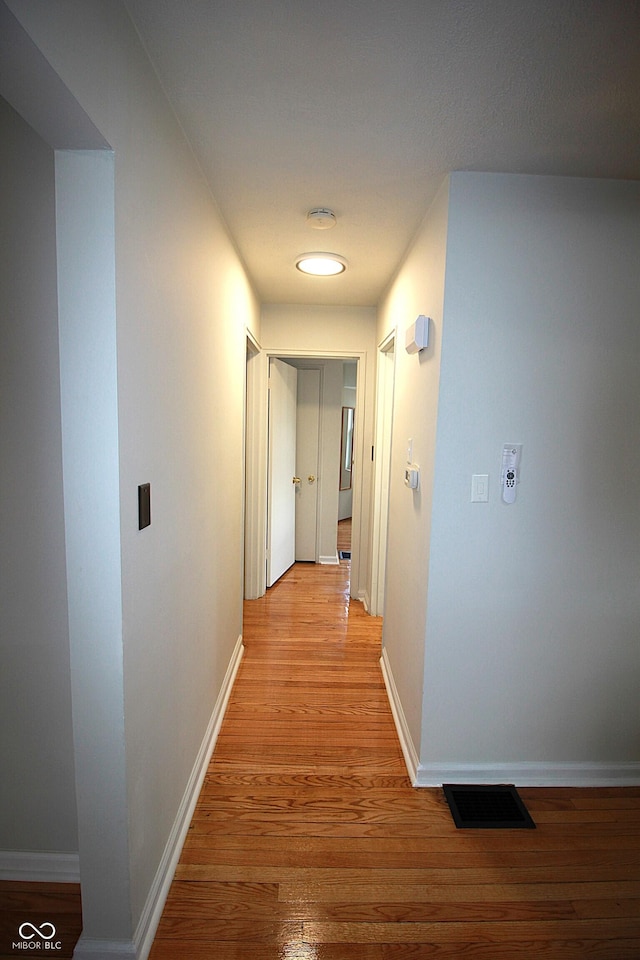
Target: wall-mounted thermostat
(412, 476)
(417, 336)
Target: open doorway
(347, 467)
(323, 377)
(310, 459)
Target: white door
(281, 500)
(308, 422)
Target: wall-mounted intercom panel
(510, 473)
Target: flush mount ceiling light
(321, 264)
(321, 218)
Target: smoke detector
(321, 218)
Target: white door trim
(385, 378)
(310, 383)
(255, 481)
(257, 438)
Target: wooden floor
(309, 843)
(39, 906)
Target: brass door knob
(311, 478)
(296, 480)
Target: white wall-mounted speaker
(417, 337)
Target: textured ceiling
(365, 105)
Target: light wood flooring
(309, 843)
(344, 534)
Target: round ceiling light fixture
(321, 264)
(321, 218)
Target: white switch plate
(479, 488)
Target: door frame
(255, 466)
(256, 434)
(385, 392)
(301, 473)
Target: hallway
(309, 843)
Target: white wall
(90, 466)
(531, 640)
(526, 614)
(37, 788)
(183, 303)
(417, 289)
(335, 332)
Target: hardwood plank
(299, 950)
(260, 950)
(617, 949)
(211, 907)
(260, 708)
(618, 906)
(273, 931)
(384, 880)
(626, 803)
(207, 826)
(588, 794)
(403, 854)
(306, 799)
(281, 731)
(531, 932)
(375, 889)
(18, 895)
(257, 857)
(278, 932)
(336, 781)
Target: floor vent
(344, 554)
(487, 807)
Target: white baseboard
(148, 924)
(329, 560)
(140, 946)
(32, 867)
(65, 867)
(87, 949)
(408, 749)
(532, 774)
(523, 774)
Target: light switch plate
(144, 505)
(479, 488)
